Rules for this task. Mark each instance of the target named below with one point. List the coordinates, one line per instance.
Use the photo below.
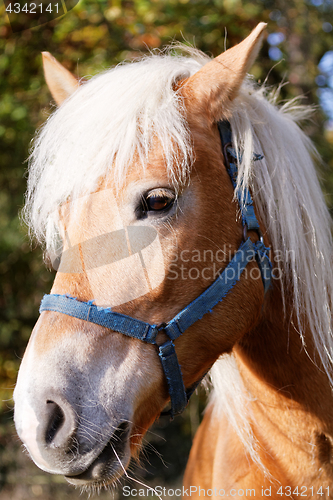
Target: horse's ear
(59, 80)
(215, 85)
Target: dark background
(88, 39)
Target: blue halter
(215, 293)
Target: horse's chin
(110, 464)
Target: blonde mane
(291, 205)
(116, 115)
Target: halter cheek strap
(193, 312)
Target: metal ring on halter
(226, 153)
(245, 232)
(258, 231)
(161, 329)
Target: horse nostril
(57, 419)
(59, 424)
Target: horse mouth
(110, 463)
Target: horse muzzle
(110, 463)
(60, 442)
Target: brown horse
(130, 179)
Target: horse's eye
(158, 200)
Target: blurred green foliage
(90, 38)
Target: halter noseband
(215, 293)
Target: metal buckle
(226, 154)
(161, 329)
(245, 232)
(258, 231)
(260, 235)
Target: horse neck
(288, 385)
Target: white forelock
(108, 121)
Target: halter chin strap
(215, 293)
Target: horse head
(145, 230)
